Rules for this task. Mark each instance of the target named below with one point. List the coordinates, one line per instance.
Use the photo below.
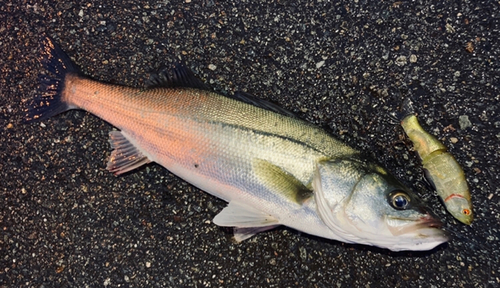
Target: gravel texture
(343, 65)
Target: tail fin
(48, 101)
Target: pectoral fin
(281, 181)
(125, 156)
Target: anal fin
(125, 156)
(242, 234)
(247, 220)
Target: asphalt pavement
(343, 65)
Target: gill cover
(333, 183)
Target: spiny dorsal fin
(179, 76)
(264, 104)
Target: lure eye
(400, 200)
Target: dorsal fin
(251, 99)
(179, 76)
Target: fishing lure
(442, 170)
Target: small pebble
(464, 122)
(401, 61)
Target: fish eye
(466, 212)
(399, 200)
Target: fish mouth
(413, 225)
(430, 222)
(421, 233)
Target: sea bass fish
(442, 170)
(271, 168)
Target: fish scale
(179, 130)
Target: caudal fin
(48, 101)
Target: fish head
(362, 203)
(460, 207)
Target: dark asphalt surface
(344, 65)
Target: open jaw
(403, 234)
(405, 225)
(421, 233)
